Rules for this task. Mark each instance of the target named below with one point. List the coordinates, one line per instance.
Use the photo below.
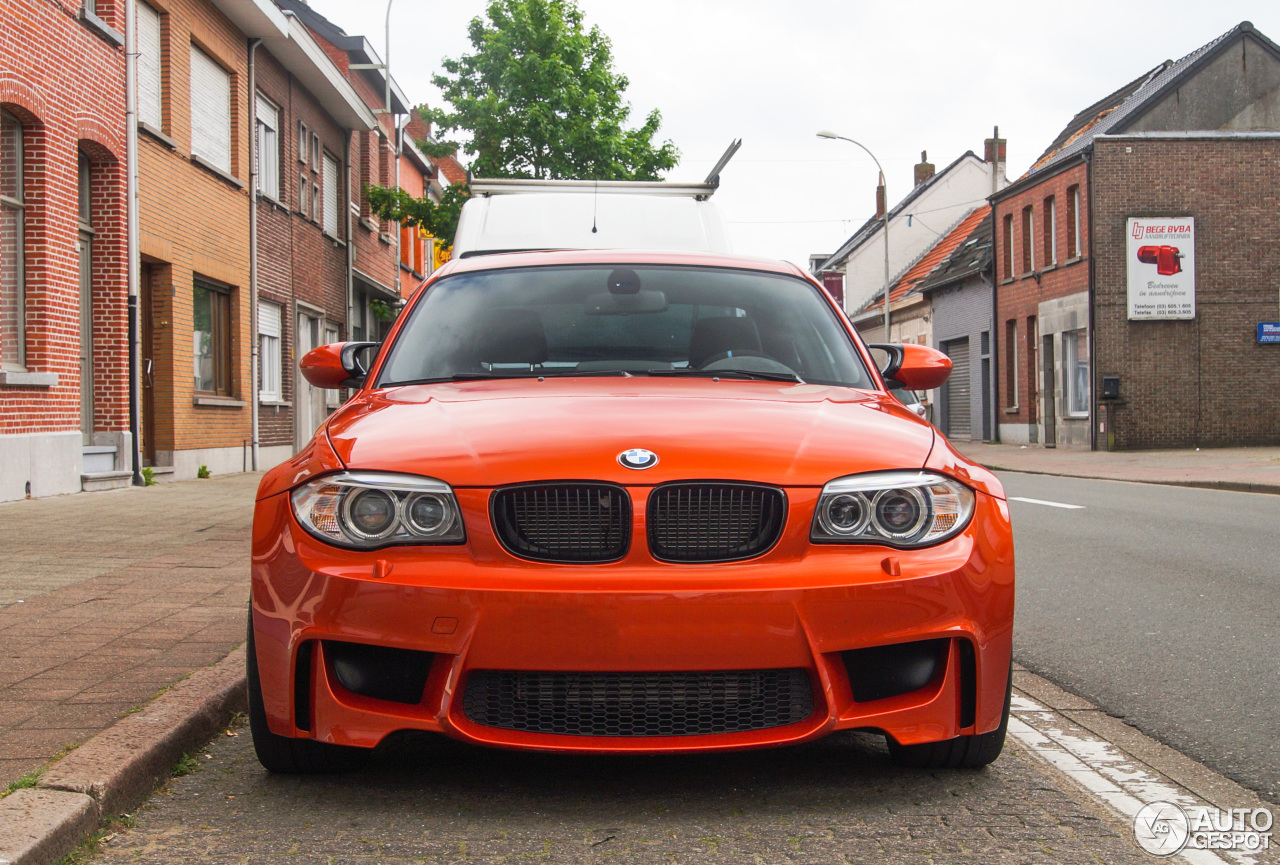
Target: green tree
(540, 99)
(440, 220)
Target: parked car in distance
(612, 501)
(910, 400)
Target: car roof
(549, 258)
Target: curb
(119, 767)
(1228, 486)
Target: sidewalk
(1245, 469)
(106, 598)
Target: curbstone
(120, 766)
(38, 826)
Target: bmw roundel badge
(638, 458)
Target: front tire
(962, 752)
(283, 754)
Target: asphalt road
(1162, 606)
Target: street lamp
(884, 218)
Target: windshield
(611, 320)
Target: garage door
(957, 390)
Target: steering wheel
(733, 355)
(747, 361)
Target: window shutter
(268, 148)
(269, 319)
(269, 350)
(210, 110)
(330, 181)
(149, 66)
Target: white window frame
(1051, 223)
(15, 208)
(304, 194)
(150, 70)
(304, 138)
(1075, 253)
(268, 132)
(210, 110)
(1075, 362)
(270, 369)
(329, 192)
(329, 335)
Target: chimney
(925, 169)
(989, 151)
(880, 205)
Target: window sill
(388, 239)
(276, 403)
(1011, 409)
(220, 401)
(1045, 270)
(157, 135)
(10, 378)
(369, 224)
(1006, 280)
(337, 241)
(216, 171)
(102, 28)
(267, 198)
(1075, 259)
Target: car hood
(493, 433)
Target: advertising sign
(1269, 331)
(833, 282)
(1162, 268)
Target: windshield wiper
(486, 376)
(730, 373)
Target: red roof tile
(937, 255)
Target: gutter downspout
(1093, 348)
(131, 232)
(995, 406)
(254, 359)
(351, 245)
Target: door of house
(1050, 415)
(308, 404)
(146, 325)
(85, 248)
(957, 391)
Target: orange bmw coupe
(627, 502)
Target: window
(269, 378)
(1008, 246)
(1028, 245)
(315, 202)
(332, 396)
(303, 138)
(210, 111)
(211, 338)
(315, 152)
(1073, 222)
(329, 181)
(1050, 232)
(1076, 371)
(149, 75)
(304, 193)
(13, 299)
(268, 148)
(1011, 363)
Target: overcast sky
(899, 77)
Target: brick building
(307, 116)
(63, 280)
(1198, 141)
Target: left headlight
(896, 509)
(368, 510)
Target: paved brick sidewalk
(105, 598)
(1228, 468)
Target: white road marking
(1048, 504)
(1121, 783)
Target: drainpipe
(996, 407)
(254, 359)
(351, 245)
(131, 231)
(1093, 349)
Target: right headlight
(369, 510)
(896, 509)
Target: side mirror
(915, 367)
(337, 365)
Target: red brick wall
(1019, 295)
(297, 261)
(40, 45)
(1205, 381)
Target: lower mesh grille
(638, 704)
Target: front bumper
(476, 607)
